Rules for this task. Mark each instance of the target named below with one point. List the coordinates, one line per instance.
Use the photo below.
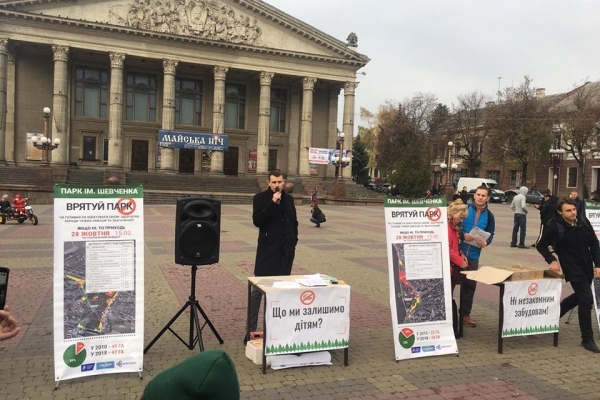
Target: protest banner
(419, 277)
(592, 211)
(531, 307)
(307, 319)
(98, 280)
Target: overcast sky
(453, 47)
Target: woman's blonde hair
(457, 207)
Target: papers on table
(286, 285)
(312, 280)
(478, 234)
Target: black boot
(590, 345)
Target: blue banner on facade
(192, 140)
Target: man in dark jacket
(576, 245)
(274, 213)
(317, 216)
(547, 211)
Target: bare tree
(468, 129)
(577, 117)
(520, 127)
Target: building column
(9, 140)
(348, 121)
(167, 161)
(60, 122)
(3, 75)
(264, 116)
(308, 85)
(216, 157)
(115, 111)
(332, 130)
(294, 132)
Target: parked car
(532, 196)
(385, 187)
(496, 196)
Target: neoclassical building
(114, 73)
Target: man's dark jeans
(583, 299)
(469, 287)
(520, 224)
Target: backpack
(323, 219)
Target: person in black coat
(576, 245)
(274, 214)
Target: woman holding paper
(457, 211)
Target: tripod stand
(195, 337)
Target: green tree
(439, 115)
(403, 144)
(360, 161)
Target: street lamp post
(448, 169)
(45, 143)
(340, 161)
(556, 159)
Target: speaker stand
(195, 337)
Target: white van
(474, 183)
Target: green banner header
(435, 201)
(97, 191)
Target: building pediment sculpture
(206, 19)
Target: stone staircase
(82, 176)
(22, 176)
(310, 184)
(194, 183)
(355, 191)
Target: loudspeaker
(197, 231)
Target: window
(105, 150)
(572, 177)
(278, 106)
(188, 102)
(235, 106)
(495, 175)
(437, 177)
(141, 97)
(89, 148)
(272, 162)
(91, 92)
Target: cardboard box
(495, 275)
(254, 351)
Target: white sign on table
(592, 210)
(531, 307)
(307, 319)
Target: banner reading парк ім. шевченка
(98, 280)
(419, 277)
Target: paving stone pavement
(350, 246)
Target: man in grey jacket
(519, 206)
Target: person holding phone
(9, 326)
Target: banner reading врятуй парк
(419, 277)
(98, 280)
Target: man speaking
(274, 214)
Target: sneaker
(513, 245)
(468, 321)
(318, 226)
(590, 345)
(245, 339)
(522, 246)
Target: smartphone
(3, 286)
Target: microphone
(277, 191)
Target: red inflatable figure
(18, 204)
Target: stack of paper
(300, 360)
(312, 280)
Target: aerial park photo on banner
(419, 277)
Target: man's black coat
(277, 235)
(578, 250)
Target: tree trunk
(524, 173)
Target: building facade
(114, 73)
